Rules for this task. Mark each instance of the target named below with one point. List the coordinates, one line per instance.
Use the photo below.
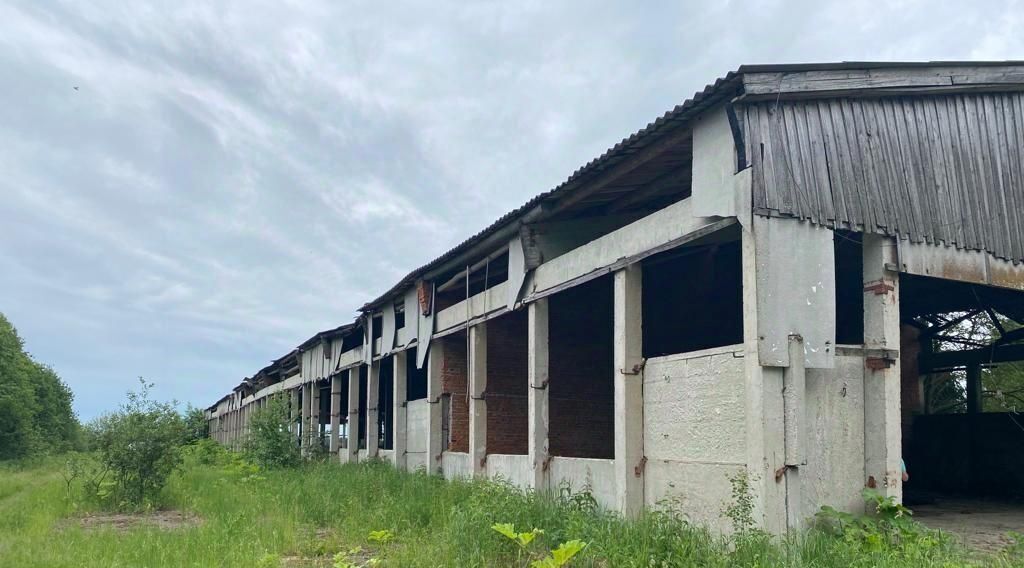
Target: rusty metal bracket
(636, 370)
(879, 287)
(640, 467)
(543, 386)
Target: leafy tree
(140, 444)
(196, 426)
(35, 405)
(270, 443)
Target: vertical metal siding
(938, 169)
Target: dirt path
(980, 525)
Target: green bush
(140, 446)
(270, 442)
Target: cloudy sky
(188, 190)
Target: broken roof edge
(733, 83)
(678, 117)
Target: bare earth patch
(980, 525)
(123, 522)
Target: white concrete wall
(417, 418)
(695, 431)
(834, 474)
(516, 469)
(595, 476)
(455, 465)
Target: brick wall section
(454, 381)
(582, 395)
(507, 384)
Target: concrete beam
(400, 360)
(882, 434)
(629, 398)
(435, 370)
(537, 348)
(477, 402)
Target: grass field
(234, 516)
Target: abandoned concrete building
(755, 283)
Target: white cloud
(231, 178)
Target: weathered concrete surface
(537, 354)
(515, 469)
(833, 474)
(695, 431)
(455, 465)
(417, 415)
(580, 474)
(629, 395)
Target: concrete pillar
(293, 407)
(352, 445)
(765, 425)
(882, 434)
(335, 414)
(537, 349)
(400, 360)
(314, 416)
(307, 409)
(435, 441)
(372, 399)
(477, 403)
(629, 394)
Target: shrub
(270, 442)
(196, 426)
(140, 445)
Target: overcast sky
(189, 190)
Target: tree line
(35, 404)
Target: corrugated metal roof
(668, 122)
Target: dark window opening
(352, 340)
(399, 314)
(484, 277)
(507, 384)
(343, 426)
(324, 416)
(377, 329)
(849, 288)
(692, 299)
(415, 378)
(361, 430)
(581, 373)
(386, 404)
(961, 367)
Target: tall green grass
(304, 516)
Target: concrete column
(537, 347)
(372, 399)
(400, 360)
(435, 370)
(352, 446)
(335, 414)
(293, 412)
(307, 409)
(477, 402)
(765, 424)
(314, 416)
(629, 394)
(882, 434)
